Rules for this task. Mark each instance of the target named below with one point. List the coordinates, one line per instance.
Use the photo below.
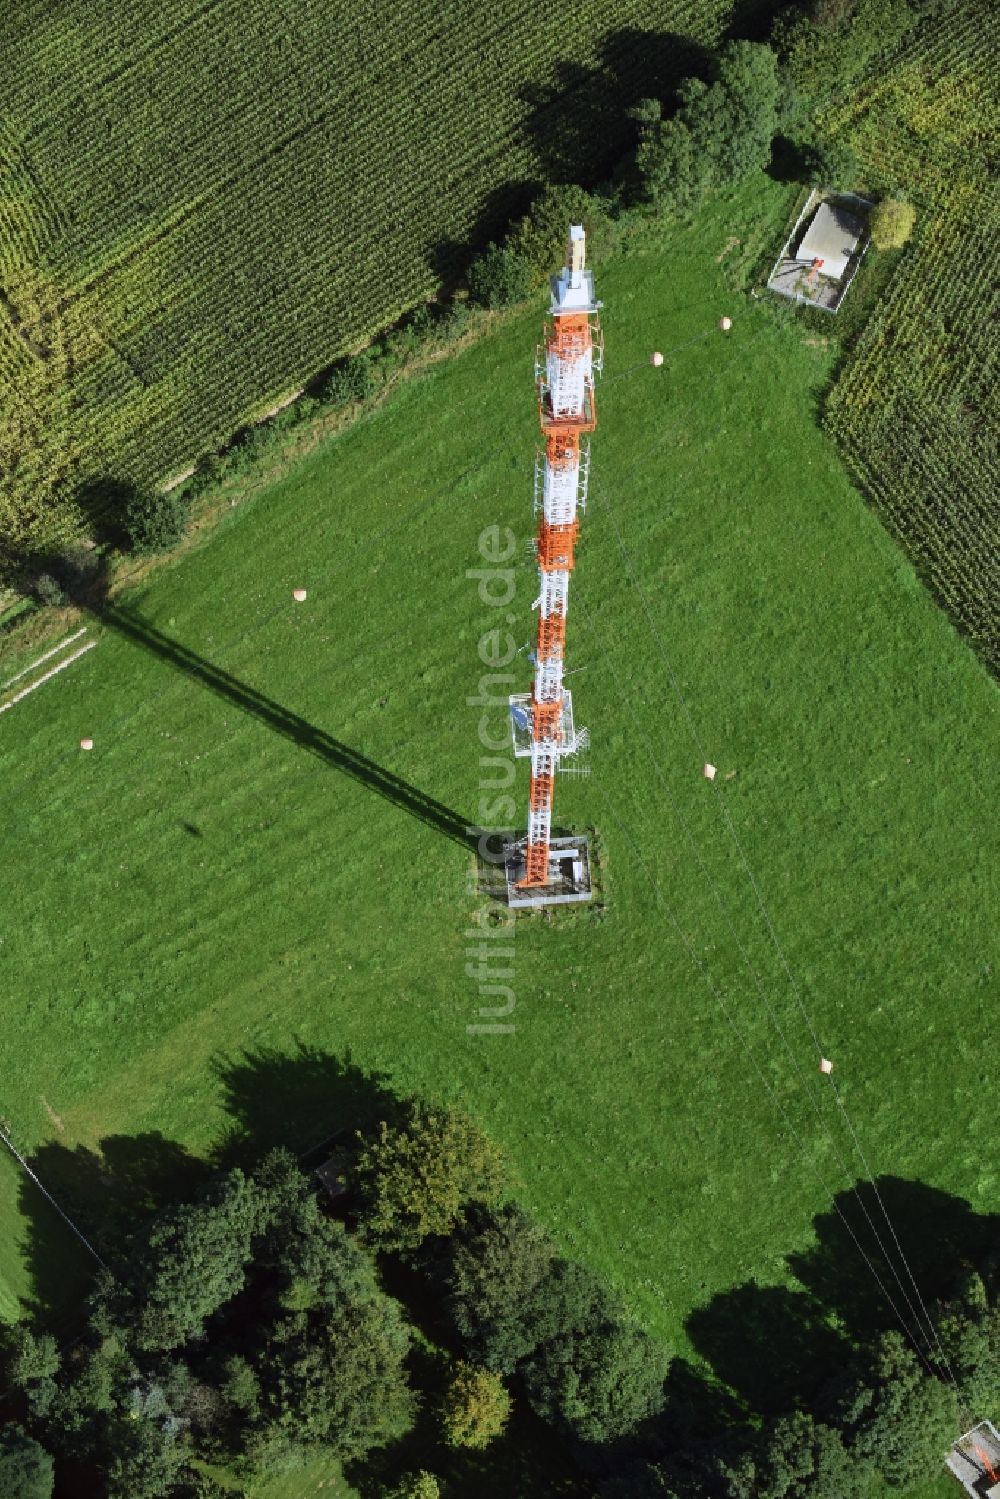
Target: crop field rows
(224, 243)
(912, 410)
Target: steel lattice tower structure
(542, 870)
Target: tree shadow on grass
(937, 1233)
(106, 1194)
(306, 1099)
(776, 1347)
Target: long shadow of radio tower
(315, 741)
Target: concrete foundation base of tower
(569, 874)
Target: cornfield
(220, 198)
(914, 410)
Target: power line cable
(720, 802)
(758, 982)
(748, 1050)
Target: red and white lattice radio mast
(542, 870)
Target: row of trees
(250, 1328)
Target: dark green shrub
(830, 164)
(155, 521)
(499, 277)
(354, 379)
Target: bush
(421, 1485)
(354, 379)
(499, 277)
(830, 164)
(414, 1179)
(48, 591)
(452, 319)
(891, 223)
(155, 520)
(475, 1408)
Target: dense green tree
(341, 1381)
(475, 1407)
(969, 1328)
(733, 120)
(30, 1362)
(824, 51)
(146, 1458)
(799, 1458)
(500, 1260)
(599, 1380)
(25, 1467)
(674, 170)
(414, 1178)
(895, 1415)
(190, 1262)
(499, 277)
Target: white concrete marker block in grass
(709, 772)
(824, 1065)
(86, 744)
(725, 323)
(656, 359)
(299, 595)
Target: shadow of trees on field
(760, 1349)
(775, 1346)
(305, 1099)
(579, 125)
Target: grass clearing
(215, 895)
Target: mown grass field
(223, 885)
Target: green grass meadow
(219, 892)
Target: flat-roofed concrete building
(832, 237)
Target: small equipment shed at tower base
(569, 878)
(974, 1461)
